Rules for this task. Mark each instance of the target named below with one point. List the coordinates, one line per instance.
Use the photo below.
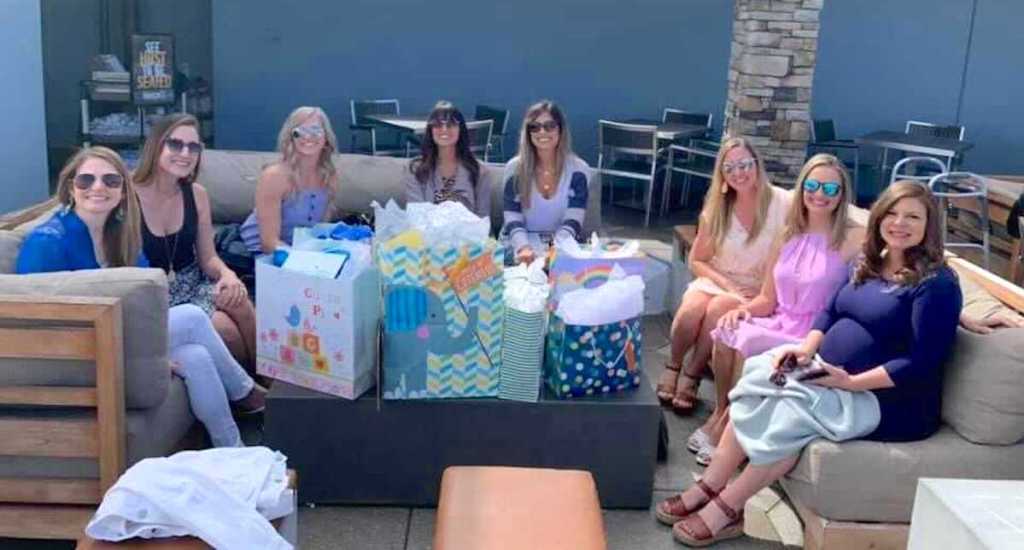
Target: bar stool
(961, 189)
(910, 168)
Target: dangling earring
(119, 215)
(725, 188)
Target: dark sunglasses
(829, 188)
(177, 146)
(547, 126)
(444, 123)
(86, 181)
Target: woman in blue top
(297, 190)
(882, 342)
(98, 225)
(546, 184)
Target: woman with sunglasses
(743, 214)
(446, 169)
(808, 264)
(881, 342)
(297, 190)
(177, 234)
(546, 185)
(98, 225)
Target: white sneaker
(704, 455)
(697, 441)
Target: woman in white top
(742, 215)
(546, 185)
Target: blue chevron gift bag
(583, 360)
(443, 319)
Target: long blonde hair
(528, 154)
(286, 146)
(718, 206)
(796, 218)
(921, 261)
(122, 232)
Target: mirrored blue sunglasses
(829, 188)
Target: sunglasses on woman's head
(547, 126)
(829, 188)
(176, 146)
(86, 181)
(744, 165)
(313, 131)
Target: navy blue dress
(62, 243)
(909, 331)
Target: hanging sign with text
(152, 69)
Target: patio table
(924, 145)
(416, 124)
(671, 131)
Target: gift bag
(443, 305)
(577, 266)
(317, 332)
(522, 351)
(595, 341)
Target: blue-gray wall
(23, 133)
(598, 58)
(882, 63)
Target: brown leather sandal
(672, 510)
(667, 392)
(693, 531)
(685, 399)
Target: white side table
(954, 514)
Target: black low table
(394, 452)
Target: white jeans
(212, 376)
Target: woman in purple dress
(882, 341)
(810, 261)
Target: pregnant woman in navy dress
(883, 340)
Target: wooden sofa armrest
(61, 328)
(1005, 291)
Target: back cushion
(143, 294)
(10, 244)
(983, 397)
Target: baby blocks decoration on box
(316, 332)
(443, 315)
(584, 360)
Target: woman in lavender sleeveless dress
(810, 264)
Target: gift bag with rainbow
(443, 318)
(316, 332)
(568, 273)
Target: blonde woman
(546, 185)
(297, 190)
(742, 215)
(808, 264)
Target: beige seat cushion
(871, 481)
(983, 394)
(143, 294)
(231, 176)
(10, 244)
(516, 508)
(978, 302)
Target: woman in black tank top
(177, 234)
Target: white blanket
(224, 496)
(772, 422)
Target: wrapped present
(318, 332)
(595, 341)
(522, 351)
(443, 309)
(575, 266)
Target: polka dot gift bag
(595, 339)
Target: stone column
(771, 72)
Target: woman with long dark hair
(446, 169)
(177, 234)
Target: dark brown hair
(424, 166)
(920, 261)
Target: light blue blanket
(773, 422)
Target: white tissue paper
(448, 223)
(596, 248)
(360, 253)
(618, 299)
(526, 287)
